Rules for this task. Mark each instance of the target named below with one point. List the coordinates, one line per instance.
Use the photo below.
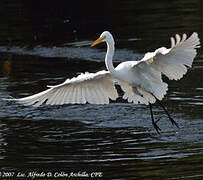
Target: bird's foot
(158, 120)
(173, 122)
(156, 127)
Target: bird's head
(104, 37)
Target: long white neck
(109, 56)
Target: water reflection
(6, 66)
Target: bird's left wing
(94, 88)
(172, 62)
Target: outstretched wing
(171, 62)
(94, 88)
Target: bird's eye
(103, 37)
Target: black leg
(153, 122)
(167, 113)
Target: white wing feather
(143, 79)
(96, 88)
(171, 62)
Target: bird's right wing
(147, 72)
(94, 88)
(173, 61)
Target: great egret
(141, 80)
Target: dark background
(53, 21)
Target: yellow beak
(99, 40)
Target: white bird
(140, 80)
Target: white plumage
(91, 88)
(141, 80)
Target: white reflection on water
(86, 53)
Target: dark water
(46, 42)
